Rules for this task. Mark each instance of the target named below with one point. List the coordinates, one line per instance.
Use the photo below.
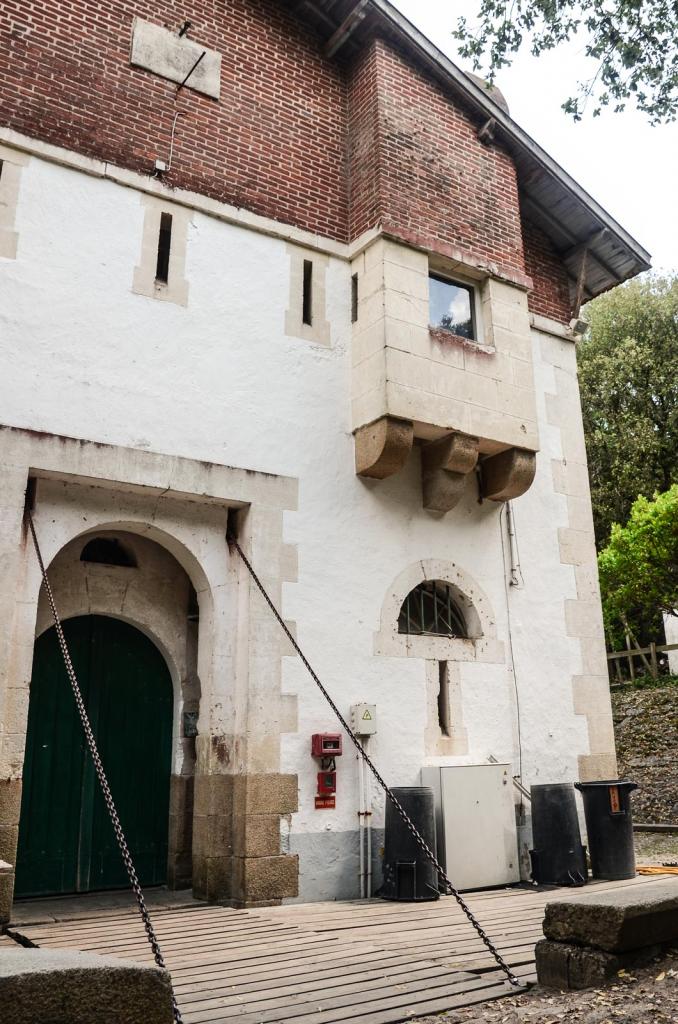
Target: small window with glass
(451, 307)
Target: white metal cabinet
(475, 823)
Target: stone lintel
(508, 474)
(382, 447)
(444, 466)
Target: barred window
(431, 610)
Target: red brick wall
(365, 162)
(438, 184)
(274, 143)
(293, 137)
(551, 294)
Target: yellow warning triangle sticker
(367, 717)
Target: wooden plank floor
(321, 963)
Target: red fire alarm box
(326, 744)
(327, 783)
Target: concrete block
(10, 801)
(617, 920)
(370, 374)
(369, 408)
(406, 280)
(257, 835)
(165, 53)
(9, 838)
(410, 403)
(501, 291)
(266, 794)
(577, 547)
(404, 256)
(583, 618)
(570, 478)
(271, 878)
(43, 986)
(402, 306)
(213, 794)
(6, 891)
(366, 340)
(564, 966)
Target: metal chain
(101, 775)
(421, 842)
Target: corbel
(444, 467)
(382, 447)
(508, 474)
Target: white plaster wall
(220, 380)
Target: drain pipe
(361, 823)
(367, 804)
(516, 573)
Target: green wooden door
(66, 841)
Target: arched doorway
(66, 841)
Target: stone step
(617, 920)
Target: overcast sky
(629, 167)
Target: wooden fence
(647, 656)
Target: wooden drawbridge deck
(368, 961)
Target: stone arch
(154, 597)
(481, 643)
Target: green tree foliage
(639, 567)
(628, 376)
(633, 42)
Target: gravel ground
(656, 847)
(648, 996)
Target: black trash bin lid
(606, 783)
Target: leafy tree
(639, 567)
(633, 41)
(629, 390)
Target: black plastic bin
(609, 827)
(409, 875)
(558, 857)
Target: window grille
(431, 610)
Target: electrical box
(364, 719)
(327, 783)
(475, 823)
(326, 744)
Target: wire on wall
(512, 577)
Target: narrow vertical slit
(164, 246)
(307, 307)
(1, 163)
(354, 298)
(444, 698)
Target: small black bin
(558, 857)
(609, 826)
(408, 874)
